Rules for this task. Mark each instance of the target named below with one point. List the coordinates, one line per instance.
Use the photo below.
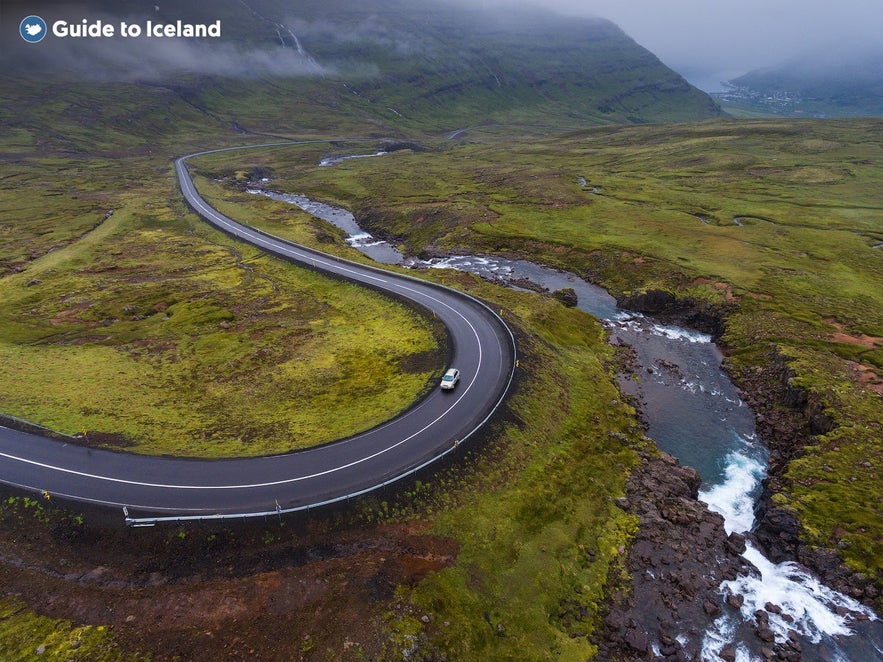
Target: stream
(695, 413)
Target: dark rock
(772, 608)
(668, 650)
(652, 302)
(735, 601)
(788, 418)
(821, 424)
(686, 311)
(736, 543)
(566, 296)
(764, 633)
(638, 640)
(728, 653)
(679, 534)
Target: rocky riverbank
(676, 563)
(788, 420)
(681, 553)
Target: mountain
(823, 84)
(403, 63)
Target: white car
(450, 379)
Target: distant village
(780, 102)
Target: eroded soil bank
(306, 590)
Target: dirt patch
(867, 376)
(419, 363)
(69, 315)
(862, 340)
(724, 288)
(105, 440)
(309, 590)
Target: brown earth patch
(69, 315)
(862, 340)
(107, 439)
(867, 377)
(307, 590)
(419, 362)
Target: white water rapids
(818, 614)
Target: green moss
(25, 635)
(157, 333)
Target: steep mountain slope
(412, 65)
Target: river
(695, 413)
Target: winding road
(155, 489)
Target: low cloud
(117, 59)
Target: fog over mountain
(708, 41)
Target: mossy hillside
(154, 323)
(781, 217)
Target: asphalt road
(155, 488)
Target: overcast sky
(711, 40)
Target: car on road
(449, 381)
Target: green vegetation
(532, 511)
(782, 217)
(537, 549)
(25, 635)
(153, 332)
(141, 321)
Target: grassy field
(530, 512)
(135, 322)
(782, 217)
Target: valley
(129, 324)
